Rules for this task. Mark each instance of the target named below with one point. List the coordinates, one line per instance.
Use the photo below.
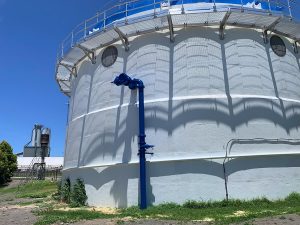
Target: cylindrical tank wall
(200, 93)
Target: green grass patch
(6, 190)
(220, 212)
(30, 202)
(34, 189)
(53, 216)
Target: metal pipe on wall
(124, 79)
(240, 141)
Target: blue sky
(30, 33)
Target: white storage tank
(222, 101)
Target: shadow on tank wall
(233, 113)
(121, 174)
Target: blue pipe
(124, 79)
(142, 150)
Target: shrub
(293, 197)
(8, 162)
(78, 194)
(75, 196)
(66, 191)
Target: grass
(221, 212)
(218, 212)
(30, 202)
(35, 189)
(53, 216)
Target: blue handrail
(124, 11)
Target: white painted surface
(200, 93)
(203, 180)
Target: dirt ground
(13, 214)
(276, 220)
(285, 219)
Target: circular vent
(278, 46)
(109, 56)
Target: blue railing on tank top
(124, 11)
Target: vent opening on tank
(109, 56)
(278, 45)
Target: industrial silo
(222, 100)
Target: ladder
(32, 171)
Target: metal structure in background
(138, 17)
(124, 79)
(51, 172)
(45, 140)
(39, 149)
(34, 147)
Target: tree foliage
(65, 191)
(74, 195)
(8, 162)
(78, 194)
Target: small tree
(78, 194)
(65, 191)
(8, 162)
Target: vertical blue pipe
(124, 79)
(142, 150)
